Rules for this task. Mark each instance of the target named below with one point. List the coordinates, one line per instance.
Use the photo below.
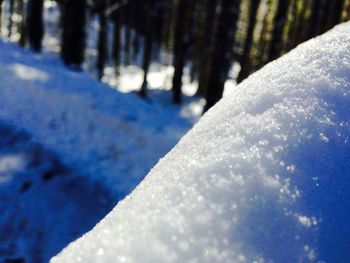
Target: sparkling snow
(263, 177)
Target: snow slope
(263, 177)
(36, 192)
(70, 149)
(110, 137)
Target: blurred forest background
(212, 39)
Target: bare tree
(73, 35)
(207, 43)
(148, 42)
(102, 38)
(277, 34)
(35, 24)
(245, 59)
(222, 51)
(184, 24)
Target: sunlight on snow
(29, 73)
(9, 164)
(160, 77)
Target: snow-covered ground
(114, 138)
(93, 143)
(107, 139)
(263, 177)
(43, 203)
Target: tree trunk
(73, 36)
(325, 20)
(136, 46)
(262, 56)
(347, 11)
(10, 23)
(1, 2)
(167, 29)
(148, 44)
(147, 54)
(183, 33)
(300, 28)
(277, 35)
(116, 42)
(294, 17)
(207, 47)
(22, 31)
(35, 26)
(245, 59)
(179, 58)
(335, 14)
(223, 50)
(127, 34)
(316, 17)
(102, 40)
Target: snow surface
(70, 146)
(110, 137)
(43, 203)
(263, 177)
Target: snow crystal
(240, 186)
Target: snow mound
(263, 177)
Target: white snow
(263, 177)
(111, 137)
(70, 145)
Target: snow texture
(71, 147)
(263, 177)
(42, 202)
(95, 129)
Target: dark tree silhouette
(21, 26)
(148, 42)
(184, 24)
(35, 26)
(167, 28)
(1, 2)
(222, 51)
(179, 59)
(277, 34)
(116, 41)
(263, 39)
(73, 35)
(206, 47)
(292, 25)
(102, 38)
(245, 59)
(333, 16)
(127, 16)
(316, 17)
(299, 29)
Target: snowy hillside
(263, 177)
(70, 149)
(95, 128)
(42, 201)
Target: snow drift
(263, 177)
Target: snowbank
(263, 177)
